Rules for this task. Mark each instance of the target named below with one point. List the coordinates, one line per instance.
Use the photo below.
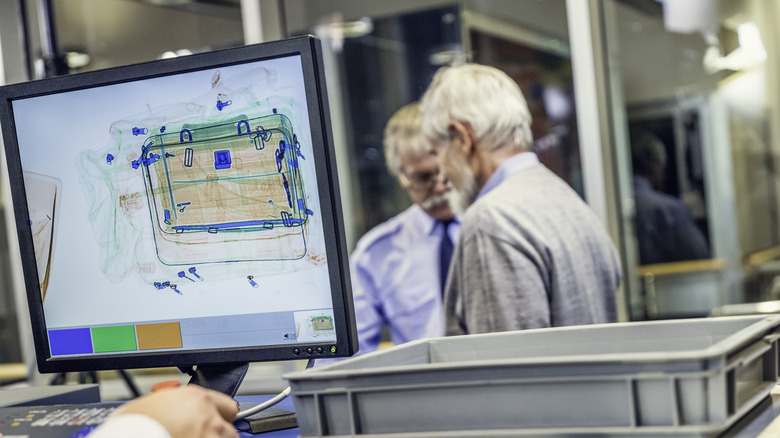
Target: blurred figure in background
(398, 268)
(531, 253)
(665, 229)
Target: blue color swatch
(70, 341)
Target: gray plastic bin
(691, 377)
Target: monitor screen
(181, 212)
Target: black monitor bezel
(310, 51)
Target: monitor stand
(225, 378)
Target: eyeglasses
(421, 181)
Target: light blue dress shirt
(395, 279)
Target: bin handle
(750, 354)
(772, 337)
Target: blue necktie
(445, 254)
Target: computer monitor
(181, 212)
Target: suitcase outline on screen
(230, 191)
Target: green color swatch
(117, 338)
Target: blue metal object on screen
(222, 159)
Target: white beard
(461, 199)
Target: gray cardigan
(531, 254)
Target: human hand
(187, 412)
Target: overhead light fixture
(453, 56)
(333, 29)
(76, 60)
(750, 53)
(689, 16)
(354, 29)
(175, 54)
(750, 40)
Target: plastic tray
(692, 377)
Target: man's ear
(461, 137)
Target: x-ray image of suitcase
(227, 192)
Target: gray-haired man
(397, 266)
(531, 253)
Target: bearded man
(530, 253)
(398, 267)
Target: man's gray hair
(403, 134)
(483, 97)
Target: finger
(226, 406)
(223, 429)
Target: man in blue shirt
(531, 253)
(665, 228)
(396, 267)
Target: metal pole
(55, 63)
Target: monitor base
(266, 420)
(225, 378)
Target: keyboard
(57, 421)
(78, 420)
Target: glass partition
(698, 94)
(391, 62)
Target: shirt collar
(512, 165)
(642, 183)
(427, 223)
